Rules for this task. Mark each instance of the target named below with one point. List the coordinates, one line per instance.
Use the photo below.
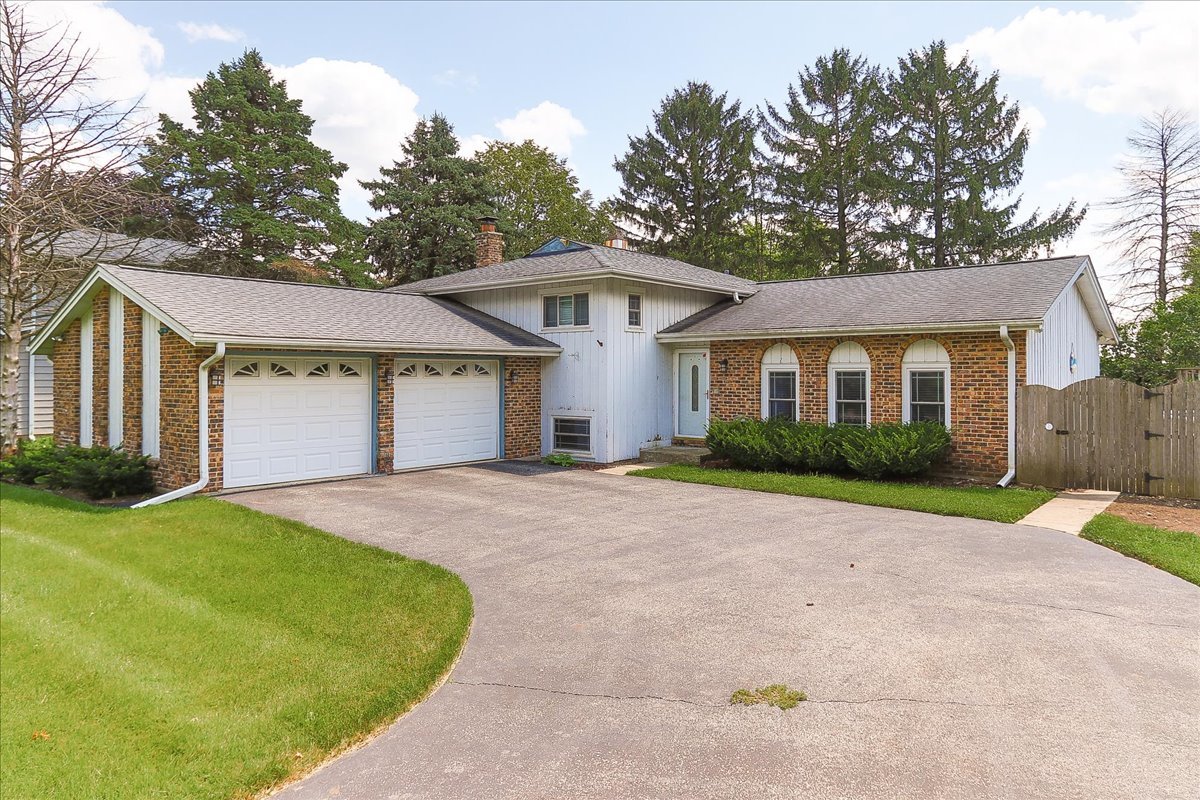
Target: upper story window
(633, 305)
(565, 310)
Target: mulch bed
(1162, 512)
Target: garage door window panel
(283, 369)
(317, 369)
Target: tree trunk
(10, 371)
(1164, 230)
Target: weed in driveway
(777, 694)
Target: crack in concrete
(923, 702)
(599, 696)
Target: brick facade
(489, 248)
(66, 386)
(978, 387)
(385, 416)
(522, 407)
(131, 398)
(179, 404)
(100, 367)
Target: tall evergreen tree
(537, 197)
(431, 201)
(687, 179)
(960, 156)
(258, 193)
(828, 163)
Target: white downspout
(203, 481)
(1012, 407)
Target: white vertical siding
(150, 384)
(619, 379)
(41, 398)
(1067, 328)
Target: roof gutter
(800, 333)
(1012, 407)
(579, 276)
(325, 345)
(200, 483)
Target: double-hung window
(565, 310)
(633, 307)
(781, 394)
(927, 396)
(850, 396)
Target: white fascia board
(322, 345)
(69, 309)
(1094, 299)
(810, 333)
(575, 277)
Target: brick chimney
(489, 243)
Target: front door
(691, 401)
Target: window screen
(927, 396)
(850, 398)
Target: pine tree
(431, 201)
(960, 155)
(262, 197)
(687, 179)
(537, 197)
(828, 164)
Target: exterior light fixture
(388, 377)
(512, 376)
(163, 330)
(216, 378)
(724, 365)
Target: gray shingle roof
(1009, 292)
(593, 259)
(214, 307)
(115, 248)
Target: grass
(199, 649)
(980, 502)
(777, 694)
(1176, 552)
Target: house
(35, 378)
(597, 351)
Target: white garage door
(296, 418)
(447, 412)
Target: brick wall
(385, 417)
(179, 403)
(489, 248)
(522, 407)
(66, 386)
(132, 396)
(978, 387)
(100, 367)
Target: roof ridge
(920, 271)
(249, 279)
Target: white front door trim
(703, 391)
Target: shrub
(893, 449)
(875, 452)
(98, 472)
(559, 460)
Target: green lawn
(1176, 552)
(199, 649)
(980, 502)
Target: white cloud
(210, 32)
(475, 143)
(1033, 121)
(362, 115)
(1135, 63)
(457, 77)
(548, 124)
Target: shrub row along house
(596, 351)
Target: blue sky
(580, 78)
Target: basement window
(573, 434)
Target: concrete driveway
(615, 616)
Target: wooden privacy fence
(1110, 434)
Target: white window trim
(116, 368)
(558, 291)
(675, 388)
(765, 388)
(831, 381)
(589, 453)
(151, 367)
(641, 312)
(86, 364)
(906, 413)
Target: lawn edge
(1083, 534)
(359, 742)
(641, 473)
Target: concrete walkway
(625, 469)
(1070, 510)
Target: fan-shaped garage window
(433, 370)
(407, 370)
(482, 369)
(248, 369)
(317, 369)
(459, 370)
(283, 369)
(350, 370)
